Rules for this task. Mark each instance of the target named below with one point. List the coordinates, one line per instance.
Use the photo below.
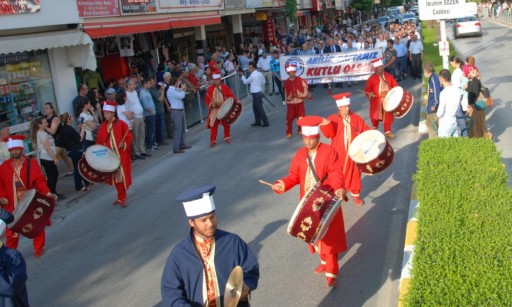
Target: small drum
(371, 152)
(229, 111)
(98, 163)
(314, 214)
(32, 213)
(398, 101)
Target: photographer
(88, 120)
(175, 95)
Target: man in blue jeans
(175, 96)
(158, 93)
(149, 113)
(257, 84)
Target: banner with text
(137, 6)
(172, 6)
(9, 7)
(104, 8)
(331, 67)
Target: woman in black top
(473, 87)
(71, 140)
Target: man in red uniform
(342, 128)
(296, 90)
(216, 94)
(116, 135)
(328, 169)
(20, 174)
(377, 87)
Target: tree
(395, 3)
(363, 5)
(290, 10)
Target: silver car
(408, 17)
(467, 26)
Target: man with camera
(175, 95)
(257, 83)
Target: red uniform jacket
(7, 182)
(214, 95)
(119, 130)
(372, 86)
(295, 90)
(335, 131)
(326, 163)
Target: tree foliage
(363, 5)
(290, 10)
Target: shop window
(25, 86)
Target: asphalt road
(494, 60)
(101, 255)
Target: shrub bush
(463, 252)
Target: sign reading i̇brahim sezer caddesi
(8, 7)
(441, 9)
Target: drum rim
(384, 103)
(322, 229)
(221, 107)
(117, 163)
(29, 194)
(372, 131)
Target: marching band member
(311, 164)
(116, 135)
(377, 87)
(342, 128)
(296, 90)
(20, 174)
(198, 268)
(216, 94)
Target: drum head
(367, 146)
(225, 108)
(22, 205)
(102, 158)
(393, 99)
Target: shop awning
(132, 26)
(44, 40)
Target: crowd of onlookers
(494, 9)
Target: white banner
(331, 67)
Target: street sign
(444, 48)
(441, 9)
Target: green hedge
(463, 252)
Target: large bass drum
(98, 163)
(398, 101)
(32, 213)
(229, 111)
(371, 152)
(314, 214)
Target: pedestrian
(115, 134)
(197, 269)
(4, 133)
(168, 125)
(53, 120)
(264, 67)
(276, 74)
(21, 173)
(460, 81)
(13, 270)
(342, 128)
(87, 120)
(72, 141)
(401, 59)
(257, 83)
(389, 58)
(415, 56)
(148, 105)
(314, 161)
(216, 95)
(473, 87)
(296, 90)
(138, 129)
(157, 91)
(175, 96)
(45, 145)
(449, 106)
(377, 87)
(432, 103)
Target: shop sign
(270, 31)
(235, 4)
(10, 7)
(12, 58)
(279, 3)
(332, 67)
(252, 4)
(95, 8)
(171, 6)
(137, 6)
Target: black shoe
(60, 196)
(185, 147)
(179, 151)
(265, 125)
(146, 155)
(140, 157)
(270, 94)
(255, 124)
(134, 158)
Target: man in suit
(331, 47)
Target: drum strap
(313, 170)
(28, 171)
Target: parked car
(408, 17)
(383, 20)
(467, 26)
(414, 9)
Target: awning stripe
(44, 40)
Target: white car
(408, 17)
(467, 26)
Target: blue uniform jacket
(182, 279)
(434, 89)
(13, 274)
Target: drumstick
(360, 90)
(265, 183)
(125, 134)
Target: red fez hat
(310, 125)
(342, 99)
(109, 106)
(291, 67)
(14, 142)
(377, 62)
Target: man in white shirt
(381, 43)
(415, 56)
(4, 150)
(257, 82)
(175, 97)
(138, 127)
(449, 104)
(264, 68)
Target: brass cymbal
(234, 287)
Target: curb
(410, 239)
